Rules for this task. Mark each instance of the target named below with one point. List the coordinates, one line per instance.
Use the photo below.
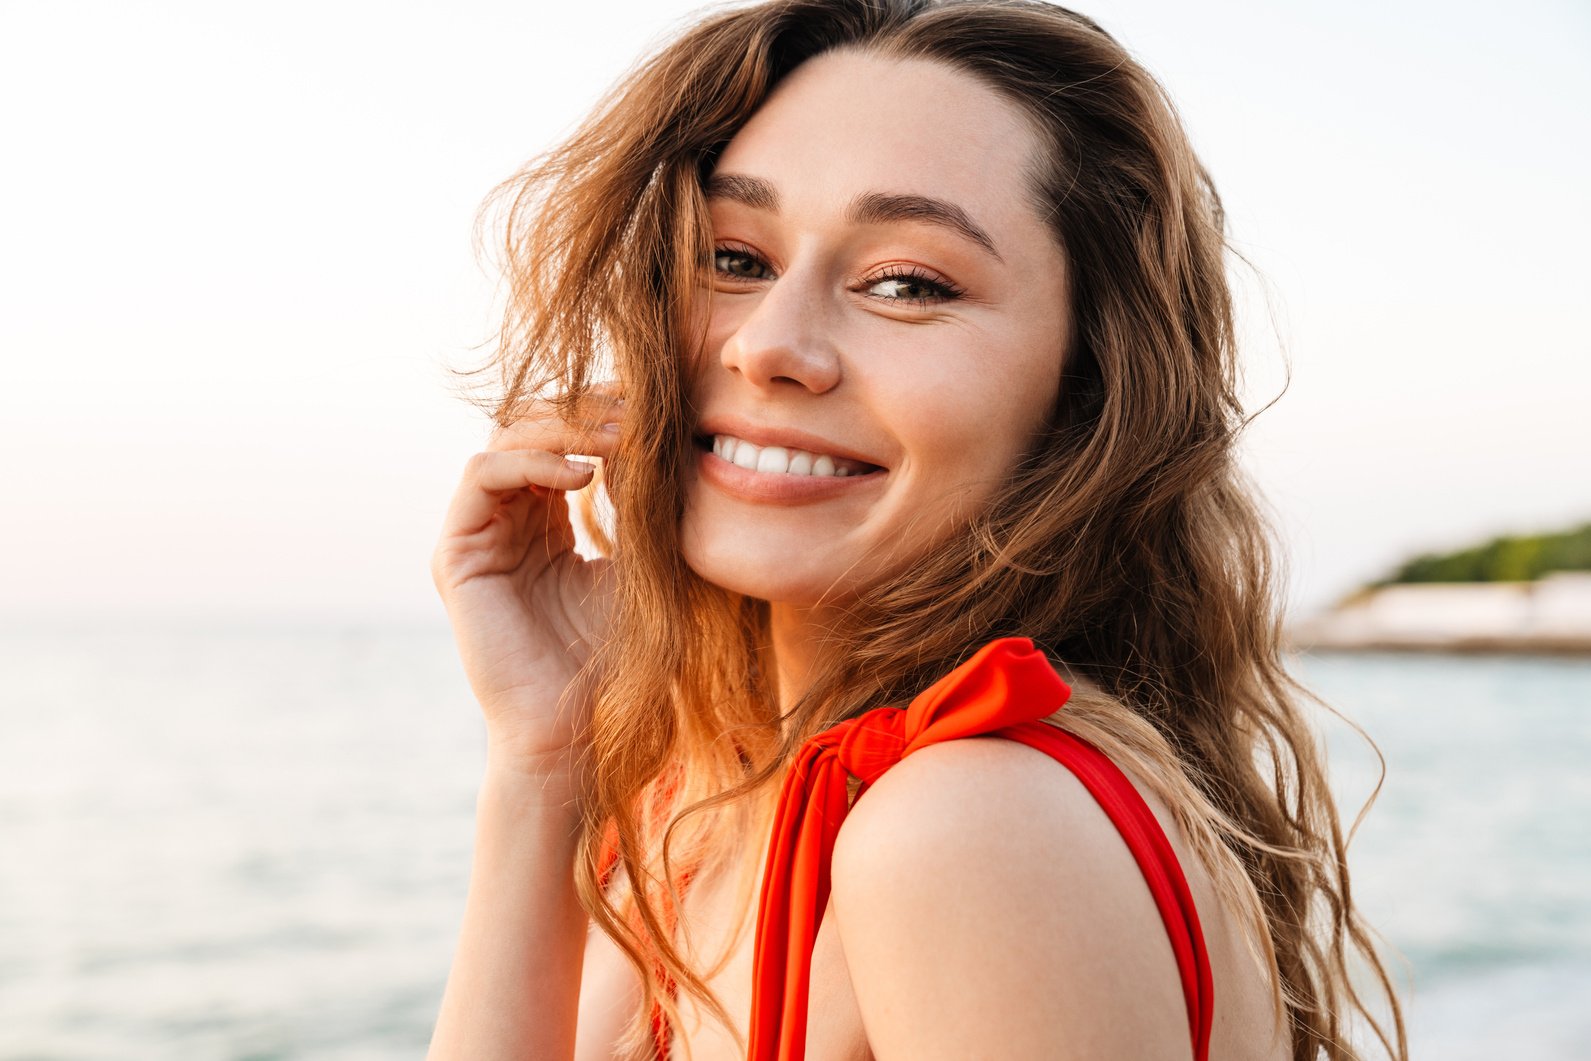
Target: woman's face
(884, 337)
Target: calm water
(242, 844)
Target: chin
(756, 580)
(765, 574)
(782, 568)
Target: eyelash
(944, 291)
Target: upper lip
(788, 437)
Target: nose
(782, 340)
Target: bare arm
(514, 988)
(526, 610)
(527, 953)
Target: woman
(902, 332)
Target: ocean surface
(238, 843)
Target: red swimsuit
(1004, 690)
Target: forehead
(847, 121)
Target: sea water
(1475, 861)
(230, 842)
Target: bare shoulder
(960, 802)
(987, 906)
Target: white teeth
(773, 459)
(781, 459)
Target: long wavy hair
(1127, 546)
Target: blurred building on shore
(1550, 614)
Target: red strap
(1003, 690)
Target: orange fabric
(1004, 690)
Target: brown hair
(1127, 546)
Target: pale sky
(235, 255)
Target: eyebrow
(869, 208)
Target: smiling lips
(782, 460)
(777, 470)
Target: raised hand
(526, 609)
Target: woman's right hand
(526, 609)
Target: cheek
(974, 411)
(1029, 384)
(698, 333)
(712, 323)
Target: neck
(797, 634)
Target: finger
(488, 475)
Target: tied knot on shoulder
(1006, 683)
(871, 744)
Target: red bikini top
(1003, 690)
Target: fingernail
(613, 427)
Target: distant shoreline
(1547, 616)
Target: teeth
(782, 460)
(773, 459)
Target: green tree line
(1513, 558)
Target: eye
(739, 263)
(913, 286)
